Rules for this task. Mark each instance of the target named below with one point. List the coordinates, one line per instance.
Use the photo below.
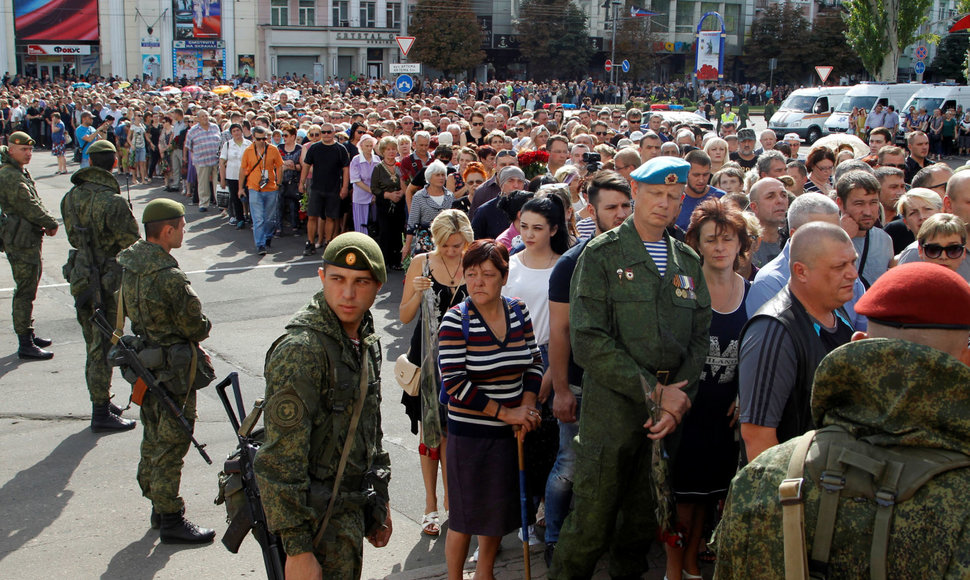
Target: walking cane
(523, 504)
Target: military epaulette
(687, 250)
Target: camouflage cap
(101, 146)
(162, 209)
(356, 251)
(19, 138)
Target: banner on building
(246, 65)
(710, 50)
(58, 49)
(151, 66)
(56, 20)
(197, 19)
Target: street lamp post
(615, 4)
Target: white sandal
(430, 524)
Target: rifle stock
(148, 379)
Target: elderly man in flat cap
(166, 313)
(23, 223)
(322, 470)
(99, 224)
(640, 308)
(902, 389)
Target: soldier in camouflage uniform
(99, 224)
(166, 312)
(313, 376)
(905, 387)
(24, 221)
(639, 307)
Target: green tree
(773, 35)
(553, 37)
(878, 30)
(949, 60)
(827, 46)
(448, 36)
(634, 42)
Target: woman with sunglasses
(475, 134)
(942, 240)
(474, 176)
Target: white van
(931, 97)
(804, 112)
(867, 96)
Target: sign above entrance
(405, 67)
(58, 49)
(405, 42)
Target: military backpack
(851, 472)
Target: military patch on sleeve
(286, 410)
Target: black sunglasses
(326, 132)
(934, 251)
(260, 138)
(478, 124)
(506, 153)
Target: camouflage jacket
(894, 393)
(158, 298)
(97, 219)
(306, 404)
(632, 321)
(23, 216)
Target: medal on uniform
(629, 273)
(619, 273)
(688, 286)
(678, 291)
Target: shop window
(280, 15)
(308, 12)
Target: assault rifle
(146, 380)
(246, 511)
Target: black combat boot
(31, 351)
(103, 420)
(41, 342)
(178, 530)
(115, 409)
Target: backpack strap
(832, 481)
(793, 511)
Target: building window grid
(393, 11)
(280, 13)
(341, 13)
(368, 14)
(308, 12)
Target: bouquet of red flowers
(533, 163)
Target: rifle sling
(348, 444)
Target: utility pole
(615, 5)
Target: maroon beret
(918, 295)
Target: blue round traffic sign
(919, 67)
(404, 83)
(625, 65)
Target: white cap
(636, 136)
(792, 137)
(446, 138)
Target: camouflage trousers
(26, 277)
(612, 493)
(163, 447)
(342, 553)
(97, 371)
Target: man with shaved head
(782, 344)
(769, 202)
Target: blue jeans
(559, 486)
(262, 208)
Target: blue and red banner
(56, 21)
(198, 19)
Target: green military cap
(356, 251)
(162, 209)
(19, 138)
(101, 146)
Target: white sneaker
(533, 539)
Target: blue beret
(664, 170)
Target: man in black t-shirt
(784, 341)
(609, 203)
(330, 163)
(745, 156)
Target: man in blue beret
(640, 308)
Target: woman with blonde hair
(717, 150)
(439, 272)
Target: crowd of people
(597, 281)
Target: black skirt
(483, 485)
